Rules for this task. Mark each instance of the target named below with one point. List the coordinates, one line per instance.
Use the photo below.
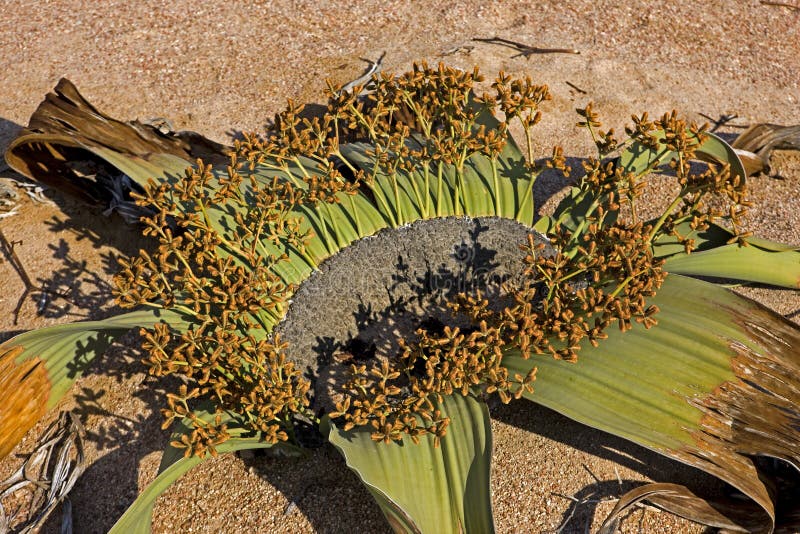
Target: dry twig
(780, 4)
(374, 67)
(580, 502)
(581, 91)
(7, 248)
(525, 50)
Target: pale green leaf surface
(715, 150)
(637, 384)
(140, 169)
(477, 184)
(666, 245)
(545, 224)
(571, 212)
(713, 236)
(750, 263)
(667, 389)
(66, 349)
(422, 488)
(762, 261)
(766, 244)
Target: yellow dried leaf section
(24, 390)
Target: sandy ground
(223, 68)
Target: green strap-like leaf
(636, 384)
(659, 387)
(37, 368)
(428, 489)
(137, 518)
(637, 158)
(750, 263)
(761, 261)
(504, 190)
(67, 349)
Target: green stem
(417, 196)
(325, 236)
(396, 190)
(457, 192)
(377, 192)
(338, 154)
(363, 121)
(340, 241)
(585, 220)
(426, 128)
(301, 167)
(621, 286)
(663, 218)
(206, 218)
(594, 138)
(571, 275)
(304, 254)
(285, 170)
(528, 141)
(527, 196)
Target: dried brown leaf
(755, 145)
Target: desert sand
(223, 68)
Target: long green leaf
(137, 518)
(748, 263)
(67, 349)
(635, 384)
(761, 261)
(447, 488)
(658, 387)
(37, 368)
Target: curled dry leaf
(71, 146)
(47, 476)
(755, 145)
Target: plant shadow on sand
(320, 477)
(80, 247)
(583, 504)
(8, 131)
